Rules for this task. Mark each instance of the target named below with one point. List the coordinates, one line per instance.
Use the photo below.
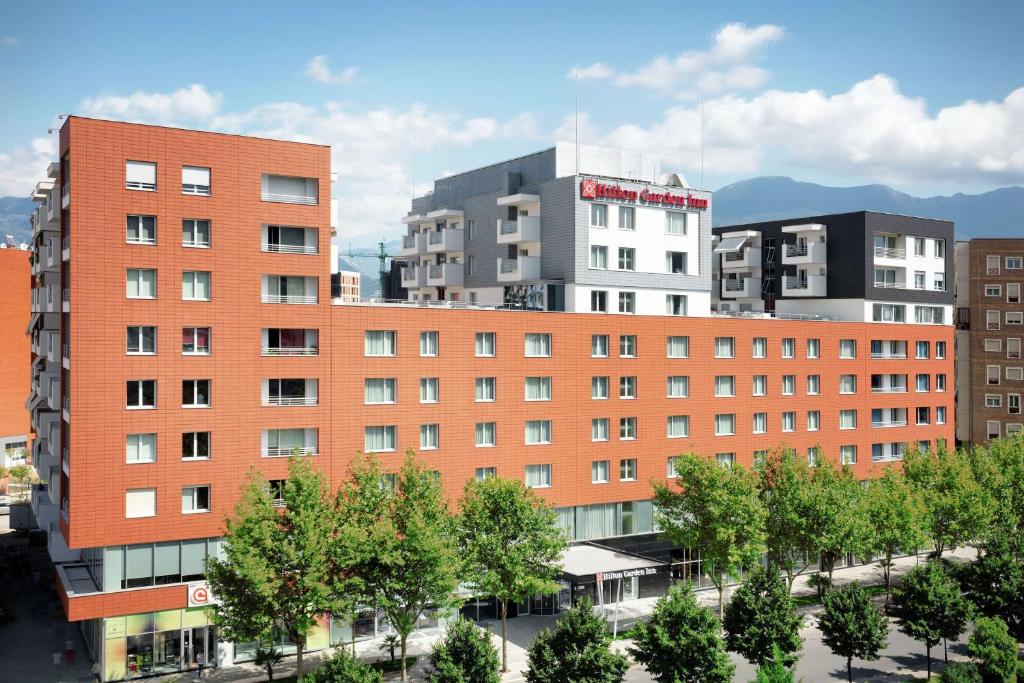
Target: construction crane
(382, 257)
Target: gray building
(588, 230)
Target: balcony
(741, 288)
(448, 239)
(523, 268)
(278, 248)
(288, 451)
(289, 298)
(66, 299)
(889, 390)
(290, 401)
(65, 197)
(743, 259)
(884, 424)
(803, 254)
(65, 249)
(891, 253)
(414, 276)
(413, 245)
(445, 275)
(66, 356)
(523, 229)
(290, 351)
(812, 285)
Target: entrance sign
(199, 594)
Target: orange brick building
(15, 284)
(225, 240)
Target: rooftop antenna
(702, 142)
(576, 78)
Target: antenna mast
(576, 78)
(702, 141)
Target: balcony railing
(67, 295)
(796, 250)
(289, 198)
(435, 271)
(286, 451)
(67, 351)
(290, 351)
(291, 401)
(409, 242)
(889, 355)
(290, 248)
(889, 423)
(733, 285)
(66, 243)
(796, 284)
(436, 237)
(889, 390)
(890, 252)
(739, 255)
(289, 298)
(510, 265)
(888, 457)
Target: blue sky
(925, 96)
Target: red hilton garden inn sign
(591, 189)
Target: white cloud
(872, 131)
(23, 167)
(8, 41)
(319, 70)
(186, 105)
(726, 66)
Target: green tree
(894, 513)
(774, 670)
(786, 491)
(344, 668)
(994, 650)
(999, 471)
(717, 510)
(961, 672)
(511, 544)
(466, 655)
(841, 529)
(680, 641)
(267, 659)
(922, 605)
(414, 568)
(760, 617)
(852, 626)
(277, 566)
(957, 508)
(576, 649)
(994, 583)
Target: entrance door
(194, 647)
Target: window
(1012, 347)
(847, 419)
(918, 278)
(1013, 292)
(847, 384)
(940, 415)
(429, 392)
(471, 270)
(598, 257)
(994, 345)
(627, 387)
(992, 265)
(195, 499)
(922, 349)
(428, 437)
(598, 216)
(141, 230)
(1014, 317)
(939, 249)
(940, 349)
(140, 448)
(139, 503)
(922, 382)
(675, 262)
(993, 290)
(599, 346)
(141, 341)
(847, 348)
(290, 190)
(486, 473)
(725, 424)
(886, 277)
(760, 423)
(538, 432)
(538, 388)
(141, 283)
(918, 246)
(627, 302)
(627, 428)
(675, 304)
(485, 389)
(673, 463)
(141, 393)
(788, 385)
(678, 426)
(812, 456)
(922, 415)
(929, 315)
(789, 347)
(1013, 404)
(889, 313)
(993, 400)
(760, 385)
(195, 341)
(379, 390)
(760, 347)
(940, 382)
(813, 348)
(627, 469)
(678, 386)
(675, 223)
(993, 427)
(813, 385)
(939, 282)
(627, 258)
(725, 459)
(759, 458)
(485, 434)
(380, 343)
(195, 180)
(627, 346)
(627, 218)
(992, 320)
(195, 393)
(725, 347)
(294, 391)
(538, 476)
(678, 347)
(538, 345)
(789, 421)
(1015, 374)
(598, 387)
(599, 429)
(195, 446)
(813, 420)
(140, 175)
(470, 229)
(847, 455)
(599, 472)
(725, 385)
(485, 344)
(428, 344)
(379, 438)
(598, 301)
(195, 285)
(1013, 262)
(297, 441)
(992, 373)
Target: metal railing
(290, 351)
(290, 248)
(67, 350)
(733, 285)
(796, 250)
(889, 355)
(510, 265)
(288, 198)
(889, 390)
(286, 451)
(737, 255)
(889, 423)
(796, 284)
(67, 295)
(289, 298)
(888, 457)
(509, 227)
(890, 252)
(290, 401)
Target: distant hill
(14, 213)
(999, 213)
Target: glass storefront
(152, 643)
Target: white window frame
(190, 499)
(136, 442)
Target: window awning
(730, 244)
(583, 563)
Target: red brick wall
(15, 300)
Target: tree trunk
(300, 645)
(887, 575)
(849, 668)
(504, 636)
(945, 652)
(404, 673)
(721, 597)
(928, 655)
